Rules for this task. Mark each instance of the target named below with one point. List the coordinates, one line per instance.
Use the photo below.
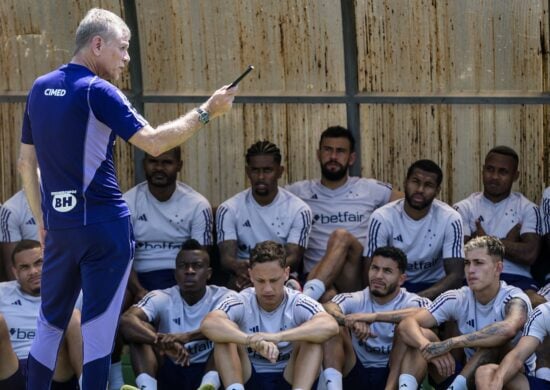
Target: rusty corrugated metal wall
(445, 80)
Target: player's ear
(352, 158)
(209, 272)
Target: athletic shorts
(535, 383)
(267, 381)
(360, 375)
(18, 381)
(172, 376)
(157, 280)
(523, 282)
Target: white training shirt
(375, 352)
(20, 311)
(497, 219)
(16, 220)
(173, 315)
(461, 306)
(545, 211)
(245, 311)
(538, 324)
(286, 220)
(160, 228)
(426, 242)
(348, 206)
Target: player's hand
(360, 329)
(268, 350)
(434, 349)
(255, 338)
(178, 353)
(444, 364)
(514, 233)
(220, 102)
(479, 229)
(240, 269)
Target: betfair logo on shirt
(55, 92)
(341, 217)
(63, 201)
(22, 334)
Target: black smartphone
(238, 79)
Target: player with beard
(370, 316)
(499, 212)
(426, 229)
(260, 213)
(165, 213)
(341, 206)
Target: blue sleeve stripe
(341, 298)
(538, 216)
(546, 215)
(309, 307)
(5, 231)
(374, 228)
(219, 223)
(227, 305)
(440, 301)
(530, 321)
(306, 227)
(458, 239)
(208, 223)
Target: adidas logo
(254, 329)
(247, 224)
(471, 323)
(177, 321)
(403, 385)
(398, 238)
(30, 222)
(17, 303)
(142, 217)
(314, 196)
(481, 218)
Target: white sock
(333, 379)
(146, 381)
(80, 381)
(235, 386)
(543, 373)
(407, 382)
(314, 288)
(115, 376)
(211, 378)
(458, 384)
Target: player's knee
(341, 237)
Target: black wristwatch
(204, 116)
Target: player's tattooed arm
(334, 310)
(497, 333)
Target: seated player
(19, 310)
(269, 336)
(510, 373)
(262, 212)
(166, 322)
(489, 313)
(428, 230)
(370, 316)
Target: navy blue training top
(72, 118)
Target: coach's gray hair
(99, 22)
(493, 245)
(267, 251)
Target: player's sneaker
(207, 386)
(129, 387)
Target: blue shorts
(267, 381)
(537, 383)
(19, 379)
(523, 282)
(447, 382)
(360, 376)
(417, 287)
(157, 280)
(171, 376)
